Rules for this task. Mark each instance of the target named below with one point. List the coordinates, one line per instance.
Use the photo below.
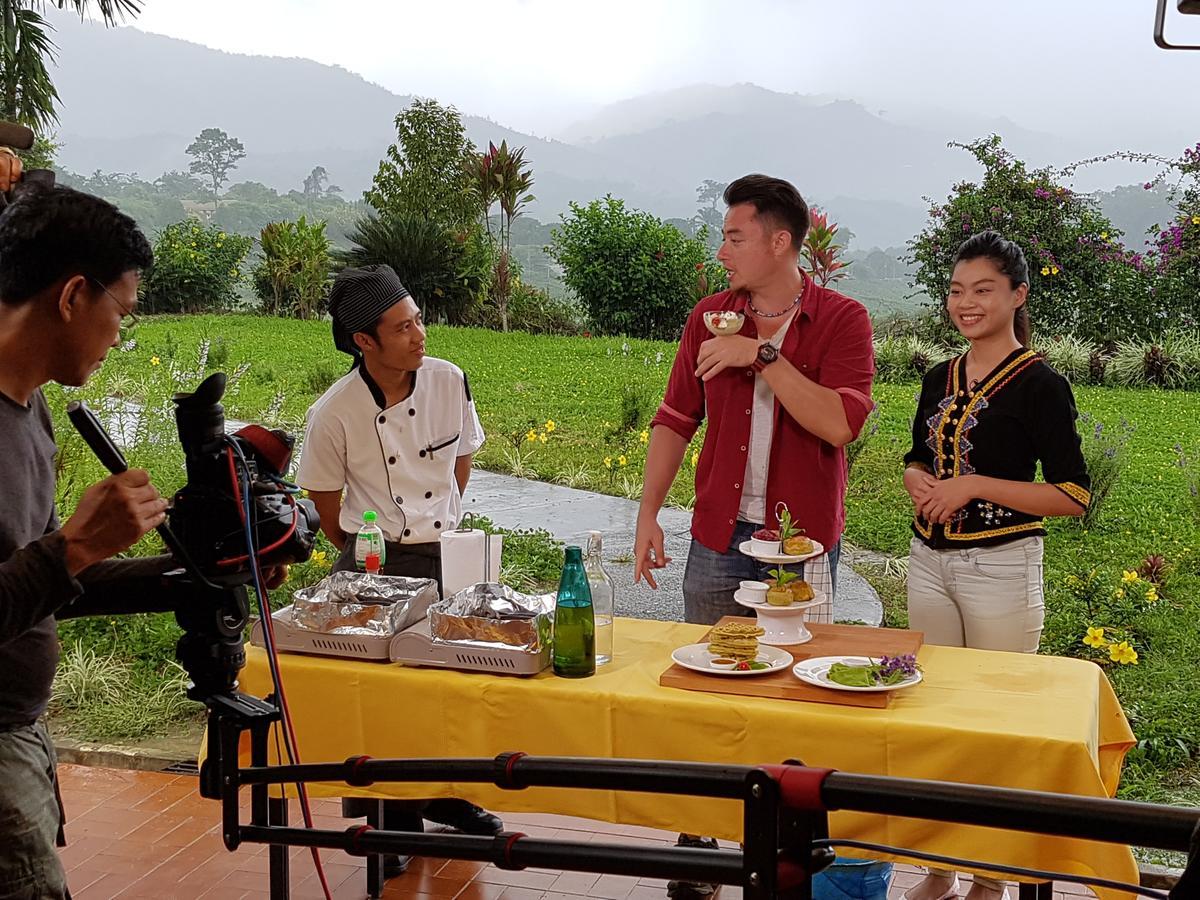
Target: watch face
(768, 353)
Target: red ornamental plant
(821, 252)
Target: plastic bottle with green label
(369, 549)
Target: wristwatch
(767, 354)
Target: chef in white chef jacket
(396, 435)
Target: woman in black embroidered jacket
(985, 420)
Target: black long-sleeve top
(1020, 414)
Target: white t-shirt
(753, 506)
(398, 461)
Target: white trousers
(986, 598)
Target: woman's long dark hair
(1010, 260)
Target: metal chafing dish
(485, 627)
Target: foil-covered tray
(487, 614)
(358, 603)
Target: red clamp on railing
(799, 786)
(503, 768)
(354, 774)
(355, 833)
(504, 842)
(789, 875)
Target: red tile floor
(149, 835)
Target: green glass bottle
(574, 621)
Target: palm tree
(27, 93)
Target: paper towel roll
(469, 557)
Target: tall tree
(27, 93)
(214, 155)
(425, 172)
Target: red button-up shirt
(829, 341)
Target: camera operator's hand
(10, 169)
(112, 515)
(275, 576)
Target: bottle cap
(369, 516)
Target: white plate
(744, 546)
(766, 609)
(696, 657)
(746, 598)
(816, 671)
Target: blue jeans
(711, 578)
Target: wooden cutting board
(828, 640)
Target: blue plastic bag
(853, 879)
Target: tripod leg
(375, 860)
(280, 863)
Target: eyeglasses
(129, 318)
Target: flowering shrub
(1105, 453)
(1113, 611)
(1082, 280)
(197, 268)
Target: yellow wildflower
(622, 461)
(1054, 270)
(1122, 653)
(1119, 593)
(644, 436)
(1095, 638)
(1128, 577)
(1104, 235)
(695, 457)
(608, 462)
(154, 360)
(550, 426)
(1196, 220)
(542, 437)
(531, 435)
(319, 557)
(1045, 270)
(1151, 594)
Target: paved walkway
(150, 836)
(569, 514)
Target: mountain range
(133, 101)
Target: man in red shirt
(782, 397)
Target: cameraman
(69, 269)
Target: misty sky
(1085, 67)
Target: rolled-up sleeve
(682, 408)
(848, 367)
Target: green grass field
(575, 410)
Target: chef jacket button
(731, 521)
(736, 485)
(747, 412)
(407, 532)
(399, 500)
(391, 460)
(749, 373)
(428, 494)
(743, 449)
(412, 412)
(422, 453)
(382, 419)
(437, 524)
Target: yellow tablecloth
(1007, 719)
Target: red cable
(269, 623)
